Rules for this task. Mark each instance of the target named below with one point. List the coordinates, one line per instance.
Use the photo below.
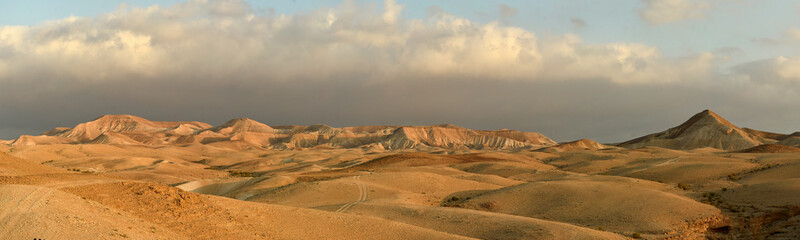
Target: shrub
(240, 173)
(488, 205)
(636, 235)
(733, 177)
(683, 186)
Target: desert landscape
(400, 119)
(125, 177)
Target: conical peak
(716, 116)
(706, 117)
(242, 121)
(243, 125)
(704, 129)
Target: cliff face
(705, 129)
(246, 133)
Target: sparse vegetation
(733, 177)
(712, 198)
(240, 174)
(734, 208)
(488, 205)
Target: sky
(606, 70)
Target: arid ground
(125, 177)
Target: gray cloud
(790, 36)
(578, 23)
(507, 11)
(780, 72)
(658, 12)
(215, 60)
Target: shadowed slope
(771, 148)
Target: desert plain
(126, 177)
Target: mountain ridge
(240, 133)
(704, 129)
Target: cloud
(780, 71)
(728, 54)
(658, 12)
(578, 23)
(216, 60)
(506, 11)
(391, 12)
(223, 39)
(790, 36)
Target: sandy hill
(50, 207)
(766, 137)
(453, 137)
(240, 125)
(12, 166)
(245, 133)
(113, 138)
(618, 204)
(119, 123)
(791, 140)
(705, 129)
(27, 140)
(771, 148)
(583, 144)
(341, 183)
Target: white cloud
(667, 11)
(793, 34)
(780, 71)
(225, 39)
(391, 12)
(215, 60)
